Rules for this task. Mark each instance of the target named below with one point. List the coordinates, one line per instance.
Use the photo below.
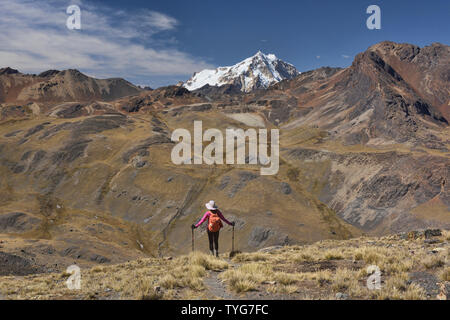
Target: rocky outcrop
(17, 222)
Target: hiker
(215, 218)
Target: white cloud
(345, 56)
(111, 43)
(159, 20)
(317, 57)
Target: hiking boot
(217, 253)
(212, 252)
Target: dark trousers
(213, 238)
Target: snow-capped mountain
(257, 72)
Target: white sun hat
(211, 205)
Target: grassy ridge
(324, 270)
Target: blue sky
(161, 42)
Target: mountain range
(87, 176)
(60, 86)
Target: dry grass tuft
(445, 274)
(434, 262)
(333, 254)
(396, 288)
(248, 257)
(208, 262)
(247, 276)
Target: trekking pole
(232, 241)
(192, 240)
(233, 253)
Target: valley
(87, 177)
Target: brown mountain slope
(60, 86)
(367, 103)
(385, 143)
(426, 70)
(120, 166)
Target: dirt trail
(217, 288)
